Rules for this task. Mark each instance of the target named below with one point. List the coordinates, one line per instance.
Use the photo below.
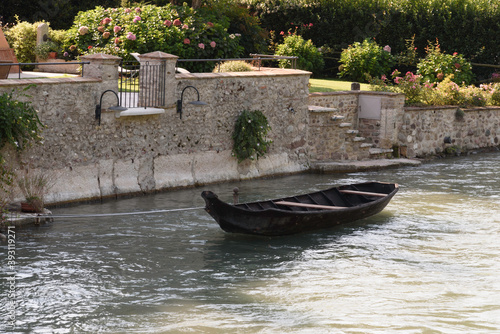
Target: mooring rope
(117, 214)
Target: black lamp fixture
(198, 102)
(115, 108)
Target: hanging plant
(249, 135)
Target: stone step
(313, 108)
(337, 117)
(345, 125)
(359, 139)
(366, 145)
(375, 151)
(352, 132)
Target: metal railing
(19, 71)
(141, 85)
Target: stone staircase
(354, 147)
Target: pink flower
(440, 76)
(201, 46)
(72, 47)
(168, 23)
(282, 33)
(128, 10)
(117, 29)
(100, 29)
(310, 24)
(210, 24)
(137, 10)
(187, 41)
(106, 21)
(387, 48)
(137, 19)
(83, 30)
(383, 77)
(185, 26)
(454, 54)
(213, 44)
(457, 65)
(117, 40)
(177, 22)
(105, 35)
(131, 36)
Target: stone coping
(46, 81)
(264, 72)
(356, 92)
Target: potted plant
(34, 186)
(47, 50)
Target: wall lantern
(115, 108)
(198, 102)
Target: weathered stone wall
(148, 153)
(341, 132)
(422, 131)
(152, 152)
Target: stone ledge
(139, 112)
(380, 150)
(356, 166)
(321, 109)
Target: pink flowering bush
(438, 65)
(410, 84)
(178, 30)
(446, 92)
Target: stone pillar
(42, 33)
(105, 68)
(157, 85)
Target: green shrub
(310, 59)
(253, 36)
(445, 92)
(233, 66)
(249, 136)
(179, 30)
(495, 95)
(437, 65)
(22, 38)
(469, 27)
(367, 59)
(19, 127)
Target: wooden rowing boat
(295, 214)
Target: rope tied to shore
(118, 213)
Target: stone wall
(422, 131)
(152, 152)
(145, 151)
(353, 125)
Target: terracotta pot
(27, 207)
(52, 55)
(4, 70)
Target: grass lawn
(331, 85)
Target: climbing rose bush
(179, 30)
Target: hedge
(469, 27)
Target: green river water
(429, 263)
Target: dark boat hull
(267, 218)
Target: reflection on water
(427, 264)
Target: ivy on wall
(249, 135)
